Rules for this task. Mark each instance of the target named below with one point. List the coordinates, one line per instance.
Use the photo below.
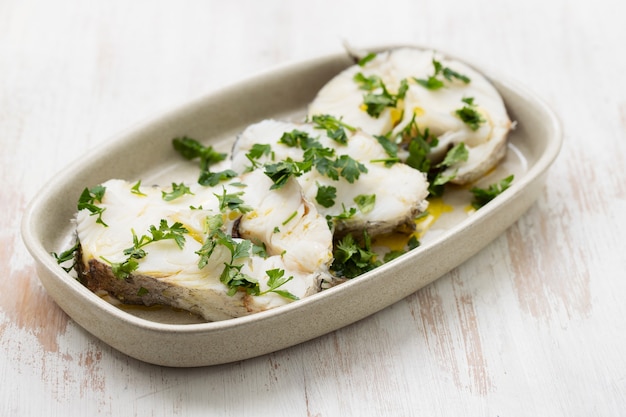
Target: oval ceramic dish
(166, 337)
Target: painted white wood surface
(535, 324)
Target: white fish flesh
(296, 241)
(399, 191)
(435, 109)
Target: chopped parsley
(178, 190)
(175, 232)
(190, 149)
(391, 149)
(365, 202)
(484, 195)
(290, 218)
(315, 156)
(210, 179)
(88, 199)
(255, 153)
(419, 145)
(277, 279)
(368, 83)
(295, 138)
(281, 171)
(352, 258)
(349, 168)
(67, 255)
(435, 81)
(326, 195)
(335, 128)
(231, 275)
(375, 101)
(346, 214)
(469, 114)
(232, 202)
(367, 58)
(136, 190)
(437, 179)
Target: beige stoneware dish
(172, 338)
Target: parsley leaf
(365, 202)
(178, 190)
(135, 189)
(351, 258)
(484, 195)
(458, 153)
(469, 114)
(349, 168)
(277, 279)
(367, 83)
(236, 280)
(420, 144)
(232, 202)
(176, 231)
(346, 214)
(281, 171)
(335, 128)
(211, 179)
(259, 250)
(190, 148)
(123, 270)
(257, 151)
(434, 81)
(320, 158)
(367, 58)
(375, 103)
(390, 148)
(295, 138)
(88, 199)
(326, 195)
(67, 255)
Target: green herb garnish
(178, 190)
(376, 102)
(67, 255)
(135, 189)
(469, 114)
(335, 128)
(458, 153)
(326, 195)
(175, 232)
(484, 195)
(351, 258)
(232, 202)
(190, 149)
(281, 171)
(88, 199)
(365, 202)
(367, 58)
(435, 82)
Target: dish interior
(146, 154)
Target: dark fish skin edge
(97, 276)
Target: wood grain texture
(535, 324)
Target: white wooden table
(535, 324)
